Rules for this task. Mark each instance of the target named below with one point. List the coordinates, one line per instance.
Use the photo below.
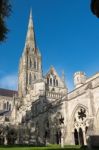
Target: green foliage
(3, 30)
(5, 9)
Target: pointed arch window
(30, 79)
(34, 77)
(7, 105)
(35, 65)
(27, 78)
(48, 81)
(30, 63)
(4, 106)
(51, 81)
(56, 82)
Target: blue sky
(67, 35)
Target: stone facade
(44, 111)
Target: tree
(5, 10)
(95, 7)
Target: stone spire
(30, 69)
(30, 38)
(63, 76)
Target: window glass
(4, 105)
(56, 82)
(30, 79)
(34, 64)
(7, 105)
(34, 77)
(47, 80)
(30, 63)
(50, 81)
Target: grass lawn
(50, 147)
(54, 147)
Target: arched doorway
(58, 122)
(46, 131)
(81, 138)
(76, 137)
(58, 137)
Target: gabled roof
(53, 71)
(4, 112)
(6, 92)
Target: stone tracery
(80, 125)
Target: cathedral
(42, 111)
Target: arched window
(81, 138)
(30, 63)
(34, 77)
(50, 81)
(76, 137)
(35, 65)
(4, 106)
(56, 82)
(27, 78)
(7, 105)
(80, 123)
(30, 79)
(47, 80)
(86, 129)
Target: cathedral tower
(30, 68)
(79, 79)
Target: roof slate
(8, 93)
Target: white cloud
(9, 82)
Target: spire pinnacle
(63, 76)
(31, 13)
(30, 38)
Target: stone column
(84, 136)
(62, 142)
(78, 136)
(5, 140)
(62, 137)
(73, 140)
